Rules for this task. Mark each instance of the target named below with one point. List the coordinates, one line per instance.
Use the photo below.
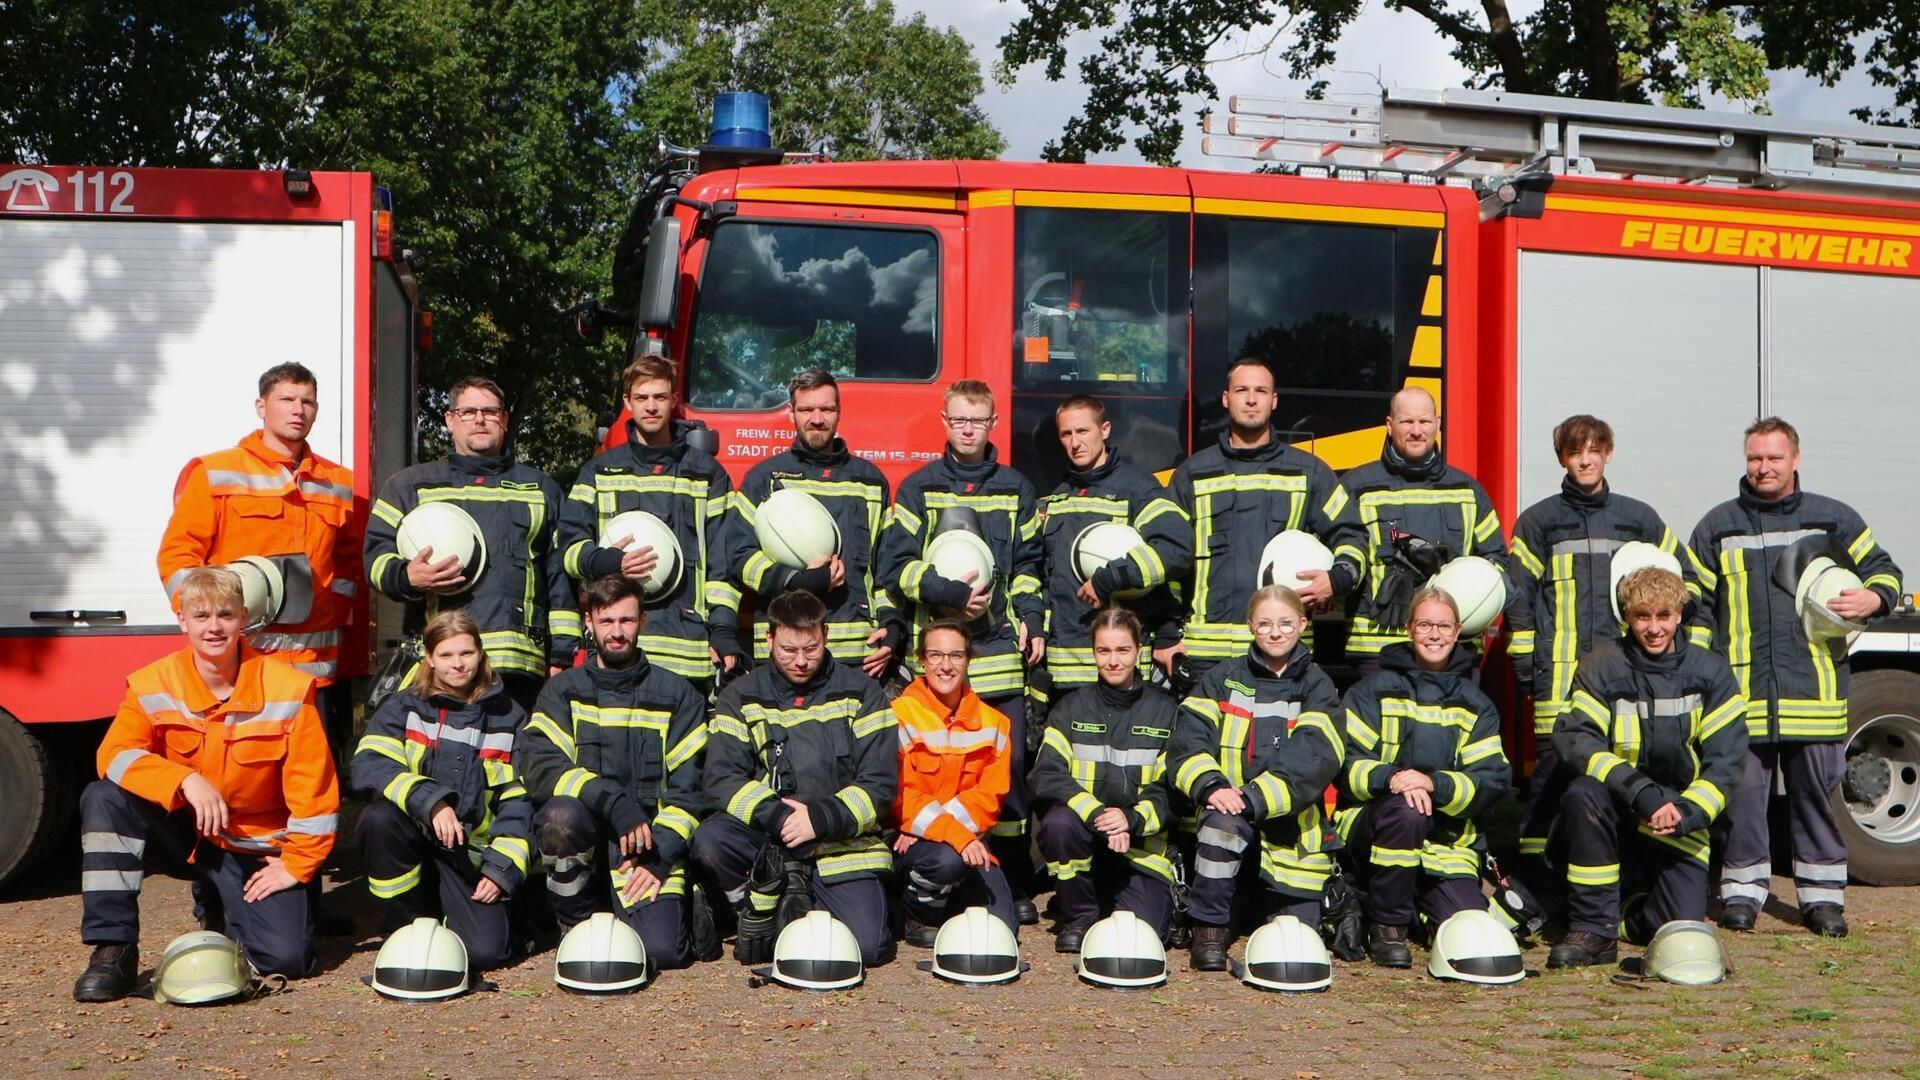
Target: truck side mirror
(660, 277)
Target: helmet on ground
(1478, 589)
(1287, 554)
(1101, 543)
(1687, 952)
(818, 952)
(262, 587)
(421, 961)
(1123, 950)
(449, 530)
(1474, 946)
(976, 947)
(954, 554)
(1629, 557)
(794, 529)
(601, 956)
(1287, 954)
(1820, 583)
(200, 968)
(646, 530)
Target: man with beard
(862, 621)
(805, 759)
(1100, 487)
(1239, 495)
(524, 605)
(1416, 514)
(612, 757)
(691, 628)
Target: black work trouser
(586, 873)
(123, 837)
(1091, 879)
(1226, 863)
(939, 885)
(1384, 843)
(413, 876)
(727, 850)
(1599, 832)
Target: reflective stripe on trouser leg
(726, 849)
(1592, 825)
(394, 847)
(1067, 844)
(1386, 839)
(567, 835)
(1008, 839)
(1746, 869)
(1814, 772)
(120, 835)
(1220, 853)
(930, 870)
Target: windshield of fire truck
(779, 297)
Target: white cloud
(1380, 47)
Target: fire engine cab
(1677, 272)
(137, 309)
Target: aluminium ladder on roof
(1461, 136)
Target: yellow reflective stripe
(1489, 527)
(1463, 791)
(1887, 580)
(1191, 771)
(388, 888)
(1601, 765)
(747, 799)
(1156, 508)
(610, 716)
(873, 723)
(730, 727)
(721, 594)
(1693, 845)
(564, 623)
(1528, 559)
(677, 821)
(400, 786)
(514, 848)
(1072, 868)
(1360, 732)
(573, 782)
(1149, 816)
(387, 512)
(1521, 643)
(1445, 861)
(1729, 711)
(685, 750)
(1404, 857)
(1590, 707)
(1360, 776)
(877, 861)
(1862, 546)
(1477, 751)
(1593, 875)
(1707, 796)
(1085, 805)
(1276, 795)
(544, 725)
(860, 805)
(385, 745)
(382, 561)
(1322, 723)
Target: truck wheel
(39, 815)
(1878, 804)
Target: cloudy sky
(1381, 46)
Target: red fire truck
(137, 308)
(1675, 271)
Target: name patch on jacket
(1153, 732)
(1086, 728)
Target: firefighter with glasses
(1761, 559)
(524, 603)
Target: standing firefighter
(612, 756)
(215, 762)
(1766, 561)
(1560, 607)
(447, 834)
(690, 628)
(524, 603)
(1655, 733)
(1100, 487)
(804, 760)
(862, 620)
(1254, 749)
(1417, 513)
(968, 490)
(1239, 495)
(1423, 761)
(1101, 771)
(954, 771)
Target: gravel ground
(1796, 1006)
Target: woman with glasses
(956, 756)
(1423, 760)
(1254, 748)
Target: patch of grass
(1810, 1015)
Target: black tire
(40, 803)
(1878, 816)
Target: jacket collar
(255, 443)
(1400, 657)
(965, 716)
(1096, 474)
(1571, 494)
(473, 465)
(1297, 662)
(1120, 699)
(619, 680)
(669, 454)
(1427, 468)
(1266, 451)
(833, 457)
(1750, 499)
(249, 688)
(975, 473)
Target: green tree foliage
(1152, 53)
(512, 133)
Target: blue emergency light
(741, 119)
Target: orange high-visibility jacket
(954, 766)
(250, 500)
(263, 749)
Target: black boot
(1824, 920)
(704, 935)
(1582, 948)
(1738, 916)
(920, 935)
(1387, 946)
(1209, 951)
(110, 974)
(1069, 938)
(1025, 913)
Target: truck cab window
(776, 298)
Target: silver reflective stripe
(928, 814)
(434, 731)
(1216, 868)
(1221, 838)
(1832, 873)
(563, 864)
(1757, 874)
(960, 814)
(961, 740)
(1666, 706)
(123, 761)
(322, 487)
(929, 887)
(1283, 710)
(177, 579)
(1770, 539)
(272, 710)
(318, 825)
(159, 703)
(107, 843)
(318, 639)
(110, 880)
(344, 587)
(1115, 756)
(500, 742)
(557, 887)
(256, 481)
(1808, 896)
(1733, 891)
(253, 843)
(322, 670)
(1590, 546)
